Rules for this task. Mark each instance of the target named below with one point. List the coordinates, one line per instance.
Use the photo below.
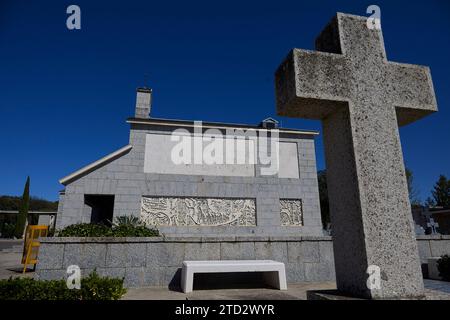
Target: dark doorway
(102, 208)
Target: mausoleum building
(201, 178)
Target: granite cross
(362, 98)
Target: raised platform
(157, 261)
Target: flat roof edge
(218, 125)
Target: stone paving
(294, 292)
(8, 244)
(10, 259)
(434, 290)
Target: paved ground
(435, 290)
(9, 244)
(294, 292)
(10, 259)
(11, 254)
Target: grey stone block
(73, 255)
(305, 251)
(134, 277)
(317, 272)
(424, 250)
(94, 256)
(126, 255)
(50, 256)
(202, 251)
(165, 254)
(255, 238)
(85, 255)
(295, 272)
(271, 251)
(237, 251)
(326, 251)
(224, 238)
(111, 272)
(172, 277)
(54, 274)
(440, 247)
(154, 276)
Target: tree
(323, 196)
(23, 211)
(441, 192)
(413, 192)
(429, 202)
(36, 204)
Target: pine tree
(441, 192)
(23, 211)
(413, 192)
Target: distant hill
(36, 204)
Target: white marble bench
(273, 271)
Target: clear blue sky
(65, 95)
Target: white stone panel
(159, 149)
(288, 160)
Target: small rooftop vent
(269, 123)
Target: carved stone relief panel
(291, 212)
(174, 211)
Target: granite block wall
(157, 261)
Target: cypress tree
(23, 211)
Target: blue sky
(65, 95)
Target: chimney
(143, 103)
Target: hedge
(443, 265)
(100, 230)
(93, 287)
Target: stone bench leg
(187, 280)
(276, 279)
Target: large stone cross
(361, 99)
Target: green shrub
(123, 226)
(93, 287)
(127, 220)
(443, 265)
(7, 229)
(85, 230)
(130, 231)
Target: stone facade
(123, 176)
(157, 261)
